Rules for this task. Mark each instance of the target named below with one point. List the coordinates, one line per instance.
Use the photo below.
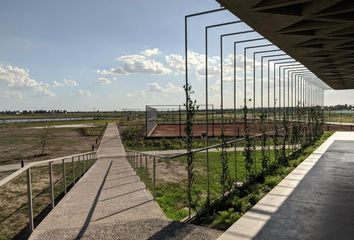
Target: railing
(100, 137)
(136, 161)
(157, 172)
(29, 184)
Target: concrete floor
(110, 202)
(315, 201)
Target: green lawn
(171, 195)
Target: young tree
(248, 151)
(283, 158)
(265, 157)
(225, 179)
(44, 136)
(191, 108)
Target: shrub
(272, 181)
(133, 133)
(166, 144)
(224, 219)
(241, 205)
(254, 198)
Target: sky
(111, 55)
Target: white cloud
(19, 79)
(151, 52)
(138, 63)
(215, 87)
(171, 88)
(85, 93)
(141, 93)
(13, 94)
(103, 81)
(176, 63)
(141, 64)
(154, 87)
(106, 72)
(196, 64)
(57, 84)
(70, 83)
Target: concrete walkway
(315, 201)
(110, 202)
(10, 167)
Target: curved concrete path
(110, 202)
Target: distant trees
(340, 107)
(34, 112)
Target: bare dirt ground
(171, 172)
(18, 144)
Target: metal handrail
(136, 158)
(200, 149)
(87, 156)
(37, 163)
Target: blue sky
(110, 54)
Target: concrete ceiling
(317, 33)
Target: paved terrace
(315, 201)
(110, 202)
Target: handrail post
(85, 169)
(79, 167)
(133, 160)
(146, 171)
(154, 178)
(135, 157)
(73, 167)
(30, 203)
(86, 162)
(51, 183)
(64, 175)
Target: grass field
(171, 176)
(18, 144)
(222, 214)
